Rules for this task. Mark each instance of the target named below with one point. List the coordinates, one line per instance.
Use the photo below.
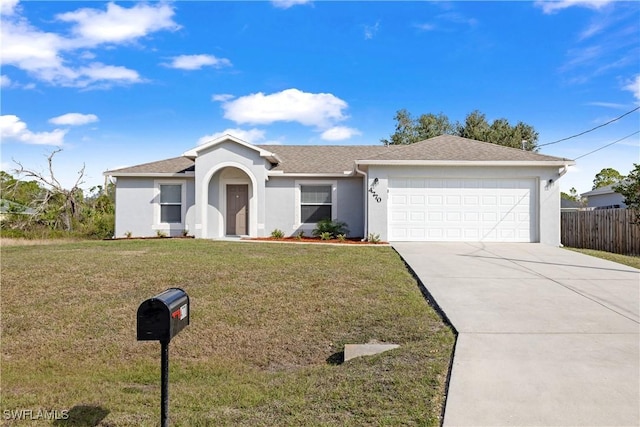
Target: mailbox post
(160, 318)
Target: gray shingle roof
(321, 158)
(336, 159)
(173, 165)
(455, 148)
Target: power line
(591, 130)
(605, 146)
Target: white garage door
(465, 210)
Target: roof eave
(150, 174)
(193, 153)
(310, 175)
(467, 162)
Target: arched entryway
(230, 202)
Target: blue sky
(122, 83)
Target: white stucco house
(442, 189)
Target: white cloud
(633, 86)
(286, 4)
(290, 105)
(60, 60)
(608, 105)
(222, 97)
(195, 62)
(5, 81)
(11, 127)
(554, 6)
(8, 7)
(118, 24)
(339, 133)
(371, 30)
(97, 72)
(425, 27)
(252, 136)
(74, 119)
(28, 48)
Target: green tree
(572, 195)
(630, 188)
(607, 176)
(475, 126)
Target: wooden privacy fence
(611, 230)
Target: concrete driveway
(546, 336)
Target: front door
(237, 209)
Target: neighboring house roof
(340, 159)
(7, 206)
(607, 189)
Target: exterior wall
(607, 199)
(137, 207)
(282, 205)
(548, 197)
(210, 164)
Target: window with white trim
(170, 203)
(315, 203)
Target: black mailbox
(161, 317)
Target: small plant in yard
(300, 235)
(373, 238)
(342, 237)
(128, 234)
(185, 232)
(277, 234)
(326, 236)
(161, 233)
(330, 226)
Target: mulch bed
(347, 241)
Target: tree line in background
(41, 207)
(475, 126)
(626, 185)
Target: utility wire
(605, 146)
(591, 130)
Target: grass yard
(631, 261)
(268, 323)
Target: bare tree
(64, 202)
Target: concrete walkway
(546, 336)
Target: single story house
(445, 188)
(604, 198)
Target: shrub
(329, 226)
(161, 233)
(342, 237)
(277, 234)
(373, 238)
(326, 236)
(300, 235)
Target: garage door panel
(462, 209)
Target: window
(170, 203)
(315, 203)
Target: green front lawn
(631, 261)
(268, 323)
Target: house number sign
(375, 195)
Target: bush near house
(330, 228)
